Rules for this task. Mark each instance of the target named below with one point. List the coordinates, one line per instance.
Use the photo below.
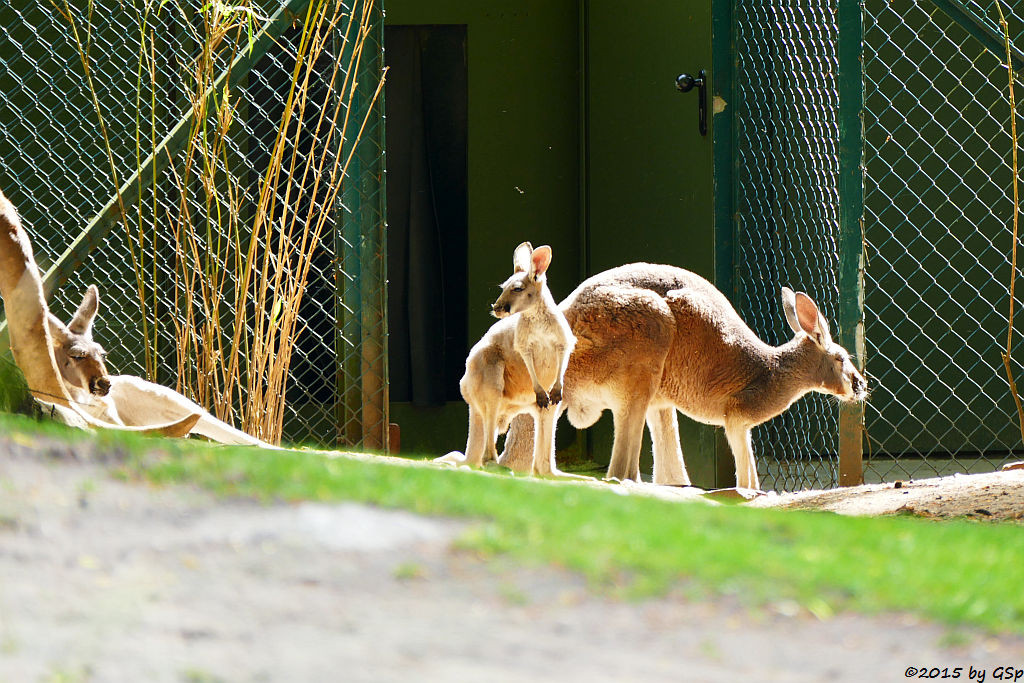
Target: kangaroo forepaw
(543, 401)
(555, 395)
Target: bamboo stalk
(265, 263)
(1016, 215)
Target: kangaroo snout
(859, 386)
(500, 310)
(99, 386)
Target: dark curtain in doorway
(426, 109)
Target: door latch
(685, 83)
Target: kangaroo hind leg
(669, 466)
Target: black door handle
(685, 83)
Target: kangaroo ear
(521, 257)
(541, 260)
(823, 326)
(789, 308)
(86, 313)
(58, 330)
(811, 320)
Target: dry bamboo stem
(269, 272)
(1016, 214)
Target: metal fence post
(374, 366)
(363, 414)
(851, 227)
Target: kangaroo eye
(518, 288)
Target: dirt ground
(102, 580)
(996, 496)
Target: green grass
(956, 572)
(13, 390)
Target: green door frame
(851, 228)
(723, 61)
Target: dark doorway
(427, 199)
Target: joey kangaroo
(123, 399)
(653, 339)
(518, 365)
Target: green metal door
(650, 194)
(649, 170)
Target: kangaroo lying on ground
(31, 344)
(517, 366)
(124, 399)
(653, 339)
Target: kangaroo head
(524, 289)
(834, 368)
(79, 358)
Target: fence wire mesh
(786, 207)
(173, 305)
(937, 210)
(938, 217)
(937, 225)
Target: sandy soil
(996, 496)
(102, 580)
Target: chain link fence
(786, 208)
(937, 209)
(139, 143)
(938, 236)
(937, 225)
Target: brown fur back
(628, 321)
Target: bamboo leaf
(275, 312)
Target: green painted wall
(523, 135)
(578, 138)
(649, 171)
